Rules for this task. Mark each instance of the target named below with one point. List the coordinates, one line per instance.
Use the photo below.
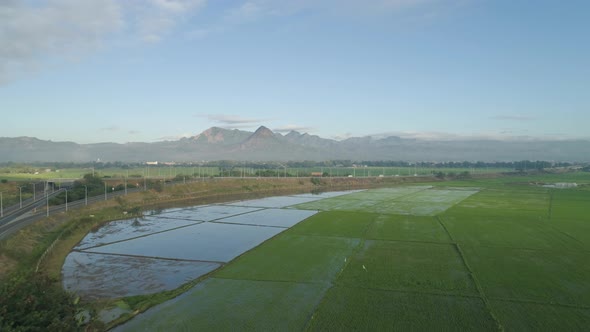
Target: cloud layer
(292, 127)
(513, 117)
(35, 33)
(29, 33)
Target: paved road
(33, 211)
(11, 222)
(16, 219)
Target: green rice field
(480, 255)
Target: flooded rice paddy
(168, 248)
(211, 242)
(98, 275)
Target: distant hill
(264, 145)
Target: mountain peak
(261, 137)
(217, 135)
(293, 134)
(211, 135)
(262, 131)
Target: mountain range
(265, 145)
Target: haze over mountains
(264, 145)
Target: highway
(16, 219)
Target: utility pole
(85, 195)
(66, 200)
(105, 191)
(1, 206)
(20, 192)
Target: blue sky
(148, 70)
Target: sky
(150, 70)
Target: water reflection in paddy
(206, 242)
(206, 212)
(108, 276)
(130, 228)
(170, 247)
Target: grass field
(482, 255)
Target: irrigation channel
(165, 249)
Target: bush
(35, 303)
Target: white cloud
(343, 136)
(38, 32)
(34, 33)
(110, 128)
(500, 135)
(178, 5)
(515, 117)
(158, 18)
(292, 127)
(254, 9)
(230, 119)
(31, 32)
